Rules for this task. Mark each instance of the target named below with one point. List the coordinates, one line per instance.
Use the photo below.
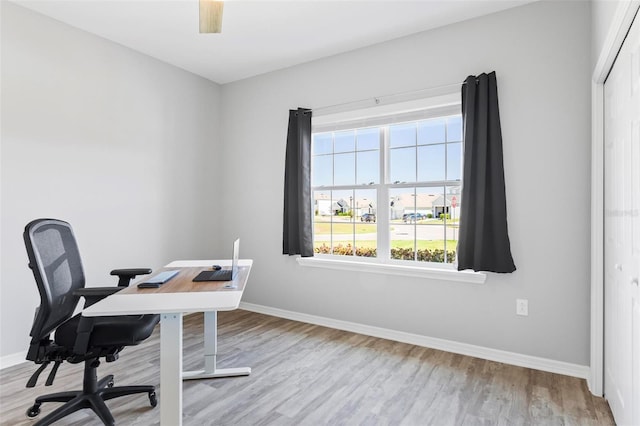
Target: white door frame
(617, 31)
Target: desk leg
(210, 351)
(171, 369)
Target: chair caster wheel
(153, 400)
(33, 411)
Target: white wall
(119, 142)
(541, 53)
(114, 142)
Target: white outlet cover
(522, 307)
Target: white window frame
(442, 106)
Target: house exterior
(451, 206)
(325, 206)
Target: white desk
(172, 300)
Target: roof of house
(400, 201)
(407, 200)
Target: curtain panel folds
(483, 243)
(297, 236)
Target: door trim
(618, 30)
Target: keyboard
(162, 277)
(220, 275)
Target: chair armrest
(126, 275)
(94, 294)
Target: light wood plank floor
(304, 374)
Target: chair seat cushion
(125, 330)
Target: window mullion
(352, 199)
(383, 228)
(415, 199)
(446, 176)
(333, 182)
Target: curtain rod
(379, 99)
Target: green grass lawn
(438, 222)
(344, 228)
(320, 228)
(422, 244)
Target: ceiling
(257, 36)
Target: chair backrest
(55, 261)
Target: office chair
(55, 261)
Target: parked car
(368, 217)
(412, 217)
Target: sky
(417, 153)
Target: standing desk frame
(172, 300)
(210, 370)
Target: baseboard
(512, 358)
(13, 359)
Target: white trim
(393, 269)
(596, 376)
(380, 115)
(10, 360)
(617, 32)
(512, 358)
(380, 105)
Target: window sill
(393, 269)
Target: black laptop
(223, 274)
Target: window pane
(454, 129)
(431, 163)
(322, 221)
(342, 223)
(345, 141)
(365, 215)
(430, 227)
(322, 206)
(368, 167)
(368, 139)
(431, 131)
(401, 225)
(453, 222)
(322, 170)
(402, 135)
(402, 165)
(345, 169)
(402, 201)
(322, 143)
(365, 203)
(454, 161)
(366, 239)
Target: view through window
(389, 191)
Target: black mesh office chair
(55, 261)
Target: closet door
(622, 232)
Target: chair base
(93, 395)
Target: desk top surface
(180, 294)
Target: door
(622, 232)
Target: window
(388, 189)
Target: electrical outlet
(522, 307)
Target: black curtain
(297, 235)
(483, 243)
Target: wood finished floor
(304, 374)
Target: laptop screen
(236, 254)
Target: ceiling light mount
(210, 16)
